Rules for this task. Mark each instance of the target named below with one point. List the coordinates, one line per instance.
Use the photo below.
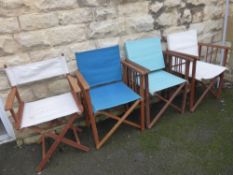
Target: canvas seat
(110, 96)
(100, 77)
(48, 110)
(147, 55)
(160, 80)
(207, 71)
(202, 68)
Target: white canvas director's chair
(50, 109)
(203, 70)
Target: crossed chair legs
(168, 102)
(208, 88)
(149, 122)
(99, 142)
(58, 138)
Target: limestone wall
(33, 30)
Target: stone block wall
(33, 30)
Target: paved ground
(199, 143)
(2, 131)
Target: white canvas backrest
(184, 42)
(19, 75)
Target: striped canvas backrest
(23, 74)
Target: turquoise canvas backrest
(146, 52)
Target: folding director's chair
(32, 114)
(147, 55)
(203, 68)
(100, 77)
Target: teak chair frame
(209, 57)
(123, 119)
(139, 70)
(58, 138)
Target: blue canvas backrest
(100, 66)
(146, 52)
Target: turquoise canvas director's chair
(147, 55)
(100, 77)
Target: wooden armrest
(214, 45)
(10, 99)
(182, 55)
(135, 67)
(82, 81)
(73, 84)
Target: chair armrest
(75, 91)
(182, 66)
(218, 48)
(136, 77)
(83, 83)
(73, 84)
(135, 67)
(183, 56)
(86, 91)
(214, 45)
(10, 99)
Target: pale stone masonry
(33, 30)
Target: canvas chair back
(23, 74)
(184, 42)
(100, 66)
(146, 52)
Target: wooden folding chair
(100, 77)
(147, 55)
(203, 68)
(48, 110)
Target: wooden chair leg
(142, 116)
(158, 116)
(55, 144)
(69, 142)
(43, 146)
(192, 94)
(203, 95)
(94, 128)
(114, 128)
(76, 135)
(166, 100)
(184, 98)
(57, 140)
(87, 119)
(147, 101)
(219, 91)
(115, 117)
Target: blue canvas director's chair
(101, 79)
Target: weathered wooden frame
(131, 67)
(120, 120)
(58, 138)
(214, 48)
